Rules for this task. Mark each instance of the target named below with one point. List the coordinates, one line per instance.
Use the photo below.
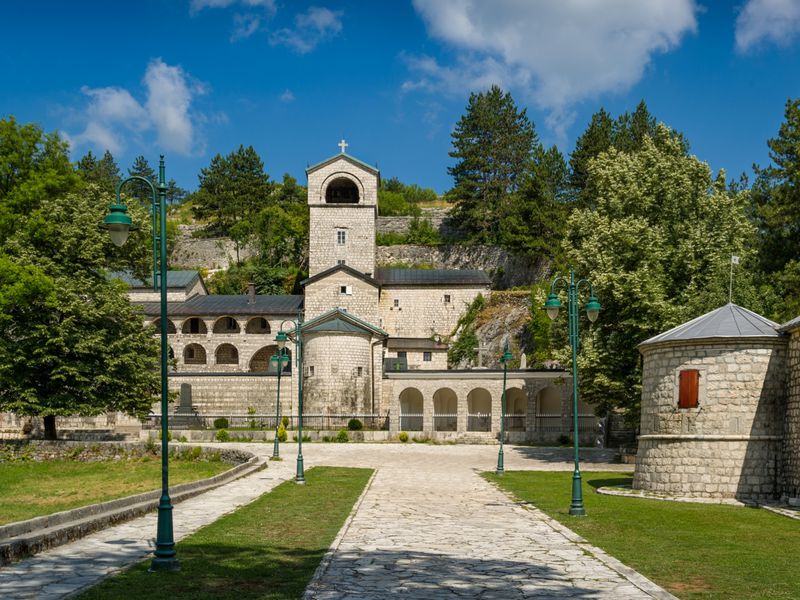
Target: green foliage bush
(221, 423)
(342, 436)
(169, 435)
(285, 421)
(223, 435)
(355, 425)
(282, 436)
(403, 437)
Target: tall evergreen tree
(776, 211)
(103, 172)
(493, 144)
(140, 190)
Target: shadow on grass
(610, 482)
(567, 454)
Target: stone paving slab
(427, 527)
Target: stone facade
(432, 311)
(342, 290)
(791, 448)
(728, 446)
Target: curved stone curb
(784, 511)
(628, 492)
(22, 539)
(636, 578)
(313, 585)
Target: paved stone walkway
(428, 527)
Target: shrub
(223, 435)
(282, 436)
(403, 437)
(563, 439)
(355, 425)
(169, 435)
(306, 438)
(151, 446)
(326, 438)
(285, 421)
(342, 436)
(183, 439)
(221, 423)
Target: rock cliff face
(213, 254)
(439, 219)
(506, 270)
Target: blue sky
(193, 78)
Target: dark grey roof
(175, 279)
(729, 321)
(401, 343)
(790, 325)
(229, 305)
(349, 323)
(352, 159)
(431, 277)
(347, 269)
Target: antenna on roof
(734, 261)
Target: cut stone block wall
(791, 448)
(422, 311)
(325, 294)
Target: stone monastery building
(372, 338)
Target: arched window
(227, 354)
(226, 325)
(170, 326)
(411, 410)
(262, 360)
(258, 325)
(516, 409)
(479, 408)
(341, 191)
(194, 325)
(194, 354)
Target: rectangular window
(360, 371)
(340, 261)
(447, 298)
(341, 236)
(396, 302)
(345, 290)
(401, 354)
(427, 356)
(311, 371)
(688, 389)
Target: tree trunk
(50, 427)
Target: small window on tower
(340, 261)
(688, 388)
(396, 302)
(360, 372)
(311, 371)
(345, 290)
(427, 356)
(341, 236)
(447, 298)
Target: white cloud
(767, 20)
(558, 53)
(198, 5)
(287, 96)
(244, 26)
(113, 115)
(316, 25)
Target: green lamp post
(119, 225)
(300, 477)
(592, 307)
(507, 356)
(279, 358)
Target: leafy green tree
(103, 172)
(175, 193)
(775, 211)
(70, 342)
(233, 189)
(493, 144)
(657, 246)
(137, 189)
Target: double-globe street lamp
(119, 224)
(281, 338)
(507, 356)
(592, 306)
(278, 359)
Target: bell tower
(343, 204)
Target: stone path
(428, 527)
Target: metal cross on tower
(343, 145)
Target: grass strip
(703, 551)
(268, 549)
(34, 489)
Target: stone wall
(212, 253)
(439, 219)
(505, 270)
(791, 448)
(324, 249)
(114, 425)
(325, 294)
(422, 310)
(729, 445)
(336, 386)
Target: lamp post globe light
(592, 306)
(278, 359)
(507, 356)
(296, 331)
(119, 225)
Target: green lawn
(268, 549)
(32, 489)
(692, 550)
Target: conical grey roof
(729, 321)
